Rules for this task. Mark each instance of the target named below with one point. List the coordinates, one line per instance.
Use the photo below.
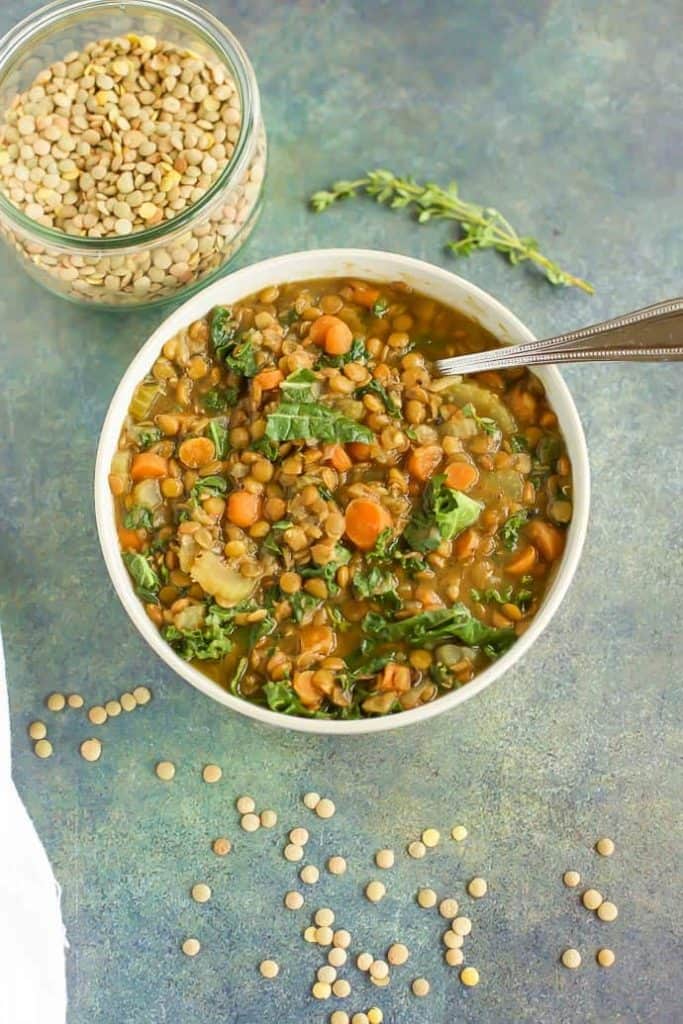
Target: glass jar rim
(224, 44)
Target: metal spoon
(654, 333)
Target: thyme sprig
(481, 227)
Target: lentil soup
(321, 524)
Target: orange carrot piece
(522, 563)
(359, 451)
(244, 508)
(319, 328)
(461, 476)
(268, 379)
(197, 451)
(365, 520)
(148, 464)
(129, 540)
(364, 294)
(339, 459)
(338, 339)
(423, 461)
(466, 543)
(548, 539)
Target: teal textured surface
(567, 117)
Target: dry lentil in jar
(118, 138)
(331, 550)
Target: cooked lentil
(275, 516)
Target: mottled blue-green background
(567, 115)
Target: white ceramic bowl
(374, 266)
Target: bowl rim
(300, 266)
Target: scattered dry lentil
(363, 961)
(321, 990)
(341, 938)
(268, 818)
(74, 700)
(339, 1016)
(426, 898)
(201, 892)
(417, 849)
(379, 969)
(592, 899)
(325, 808)
(298, 836)
(55, 702)
(375, 891)
(324, 916)
(571, 958)
(461, 926)
(324, 935)
(336, 865)
(97, 715)
(375, 1015)
(431, 837)
(459, 832)
(42, 748)
(294, 900)
(469, 976)
(448, 907)
(310, 934)
(359, 1018)
(292, 852)
(245, 805)
(454, 956)
(191, 947)
(605, 957)
(341, 989)
(309, 874)
(326, 973)
(250, 822)
(37, 730)
(477, 888)
(311, 800)
(128, 702)
(221, 846)
(452, 940)
(607, 911)
(113, 708)
(420, 987)
(165, 770)
(269, 969)
(336, 956)
(605, 847)
(142, 694)
(91, 749)
(384, 859)
(397, 954)
(211, 773)
(571, 879)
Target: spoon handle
(654, 333)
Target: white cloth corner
(32, 938)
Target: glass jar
(179, 254)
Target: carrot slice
(197, 451)
(522, 563)
(338, 339)
(466, 543)
(364, 294)
(359, 451)
(244, 508)
(423, 461)
(148, 464)
(338, 457)
(547, 538)
(268, 379)
(129, 540)
(365, 520)
(461, 476)
(320, 327)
